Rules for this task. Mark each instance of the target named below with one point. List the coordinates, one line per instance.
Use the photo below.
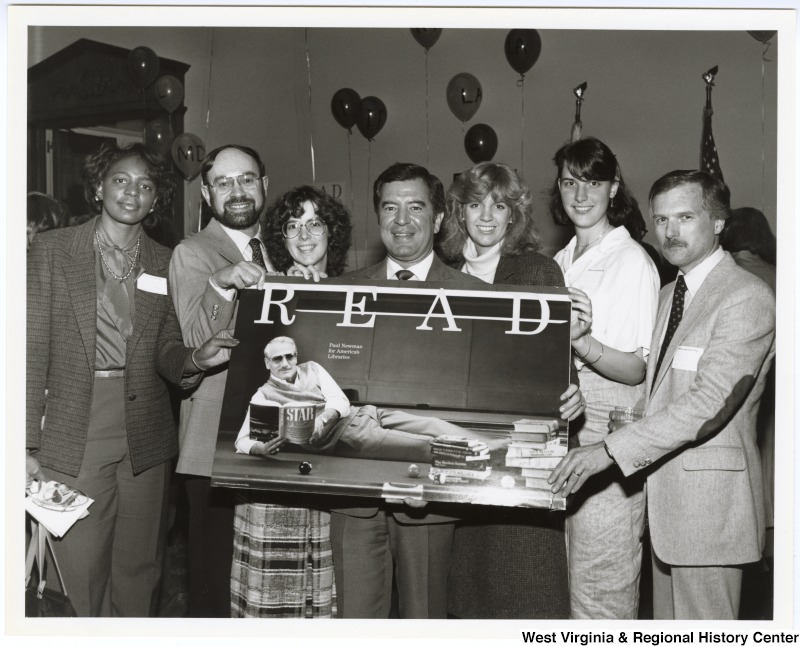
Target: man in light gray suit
(204, 274)
(712, 346)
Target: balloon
(169, 92)
(480, 142)
(426, 37)
(371, 116)
(187, 153)
(464, 95)
(762, 36)
(158, 136)
(523, 47)
(344, 106)
(143, 66)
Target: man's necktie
(675, 316)
(404, 274)
(258, 257)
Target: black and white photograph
(390, 312)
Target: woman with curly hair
(102, 342)
(506, 563)
(307, 228)
(282, 559)
(617, 291)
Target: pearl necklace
(121, 279)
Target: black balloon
(158, 136)
(523, 47)
(143, 66)
(762, 36)
(344, 106)
(480, 142)
(371, 116)
(426, 37)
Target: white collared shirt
(622, 283)
(242, 242)
(420, 269)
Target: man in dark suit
(204, 274)
(368, 541)
(712, 346)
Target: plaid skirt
(282, 561)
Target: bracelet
(195, 362)
(600, 356)
(587, 352)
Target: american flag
(709, 159)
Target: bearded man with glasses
(205, 273)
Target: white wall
(645, 99)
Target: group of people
(111, 318)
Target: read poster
(453, 394)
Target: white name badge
(152, 284)
(686, 358)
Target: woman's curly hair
(504, 185)
(159, 169)
(328, 209)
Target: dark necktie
(404, 274)
(258, 257)
(675, 316)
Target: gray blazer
(698, 438)
(202, 312)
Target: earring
(97, 197)
(611, 203)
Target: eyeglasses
(278, 359)
(315, 227)
(247, 181)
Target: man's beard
(239, 219)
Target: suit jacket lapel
(82, 285)
(145, 301)
(505, 269)
(223, 243)
(692, 315)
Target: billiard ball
(413, 471)
(305, 468)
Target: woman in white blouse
(616, 286)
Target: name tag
(686, 358)
(152, 284)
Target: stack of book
(459, 458)
(536, 448)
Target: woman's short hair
(590, 159)
(747, 229)
(328, 209)
(504, 185)
(159, 169)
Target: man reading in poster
(341, 429)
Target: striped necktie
(404, 274)
(675, 316)
(258, 257)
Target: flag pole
(709, 159)
(577, 126)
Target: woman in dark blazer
(507, 563)
(102, 343)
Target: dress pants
(211, 512)
(363, 552)
(111, 560)
(699, 592)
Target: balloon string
(352, 192)
(522, 128)
(427, 120)
(763, 132)
(310, 128)
(366, 211)
(210, 84)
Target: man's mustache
(675, 242)
(240, 200)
